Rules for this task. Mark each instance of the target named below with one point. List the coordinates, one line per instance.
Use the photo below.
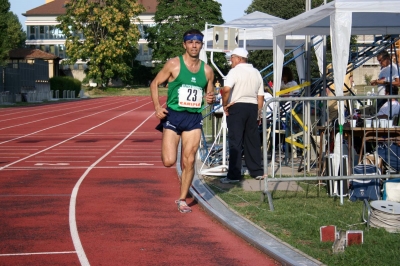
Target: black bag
(368, 189)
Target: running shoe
(182, 206)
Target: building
(42, 32)
(26, 75)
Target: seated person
(388, 73)
(288, 81)
(384, 111)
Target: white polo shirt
(385, 109)
(246, 84)
(385, 74)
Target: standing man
(387, 68)
(242, 100)
(189, 79)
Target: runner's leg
(169, 147)
(190, 144)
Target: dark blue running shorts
(181, 121)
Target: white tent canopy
(340, 19)
(256, 29)
(255, 33)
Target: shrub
(64, 84)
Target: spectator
(388, 70)
(242, 100)
(384, 111)
(288, 81)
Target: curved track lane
(83, 184)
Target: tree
(110, 37)
(11, 34)
(173, 18)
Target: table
(370, 135)
(366, 134)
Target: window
(32, 32)
(51, 32)
(14, 64)
(41, 32)
(61, 51)
(52, 49)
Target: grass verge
(299, 215)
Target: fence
(308, 127)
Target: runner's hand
(161, 113)
(210, 97)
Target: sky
(231, 9)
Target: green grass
(299, 215)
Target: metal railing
(296, 130)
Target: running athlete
(189, 80)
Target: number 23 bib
(190, 96)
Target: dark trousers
(243, 133)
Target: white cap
(240, 52)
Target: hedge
(64, 84)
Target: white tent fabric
(340, 19)
(255, 33)
(256, 28)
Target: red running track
(81, 183)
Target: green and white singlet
(186, 92)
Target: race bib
(190, 96)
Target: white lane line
(15, 111)
(78, 149)
(80, 152)
(38, 195)
(5, 146)
(20, 168)
(136, 164)
(72, 206)
(20, 149)
(33, 133)
(119, 161)
(140, 149)
(41, 161)
(50, 111)
(134, 156)
(73, 137)
(37, 253)
(56, 164)
(15, 153)
(66, 156)
(80, 110)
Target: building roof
(56, 8)
(150, 5)
(28, 53)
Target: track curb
(252, 233)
